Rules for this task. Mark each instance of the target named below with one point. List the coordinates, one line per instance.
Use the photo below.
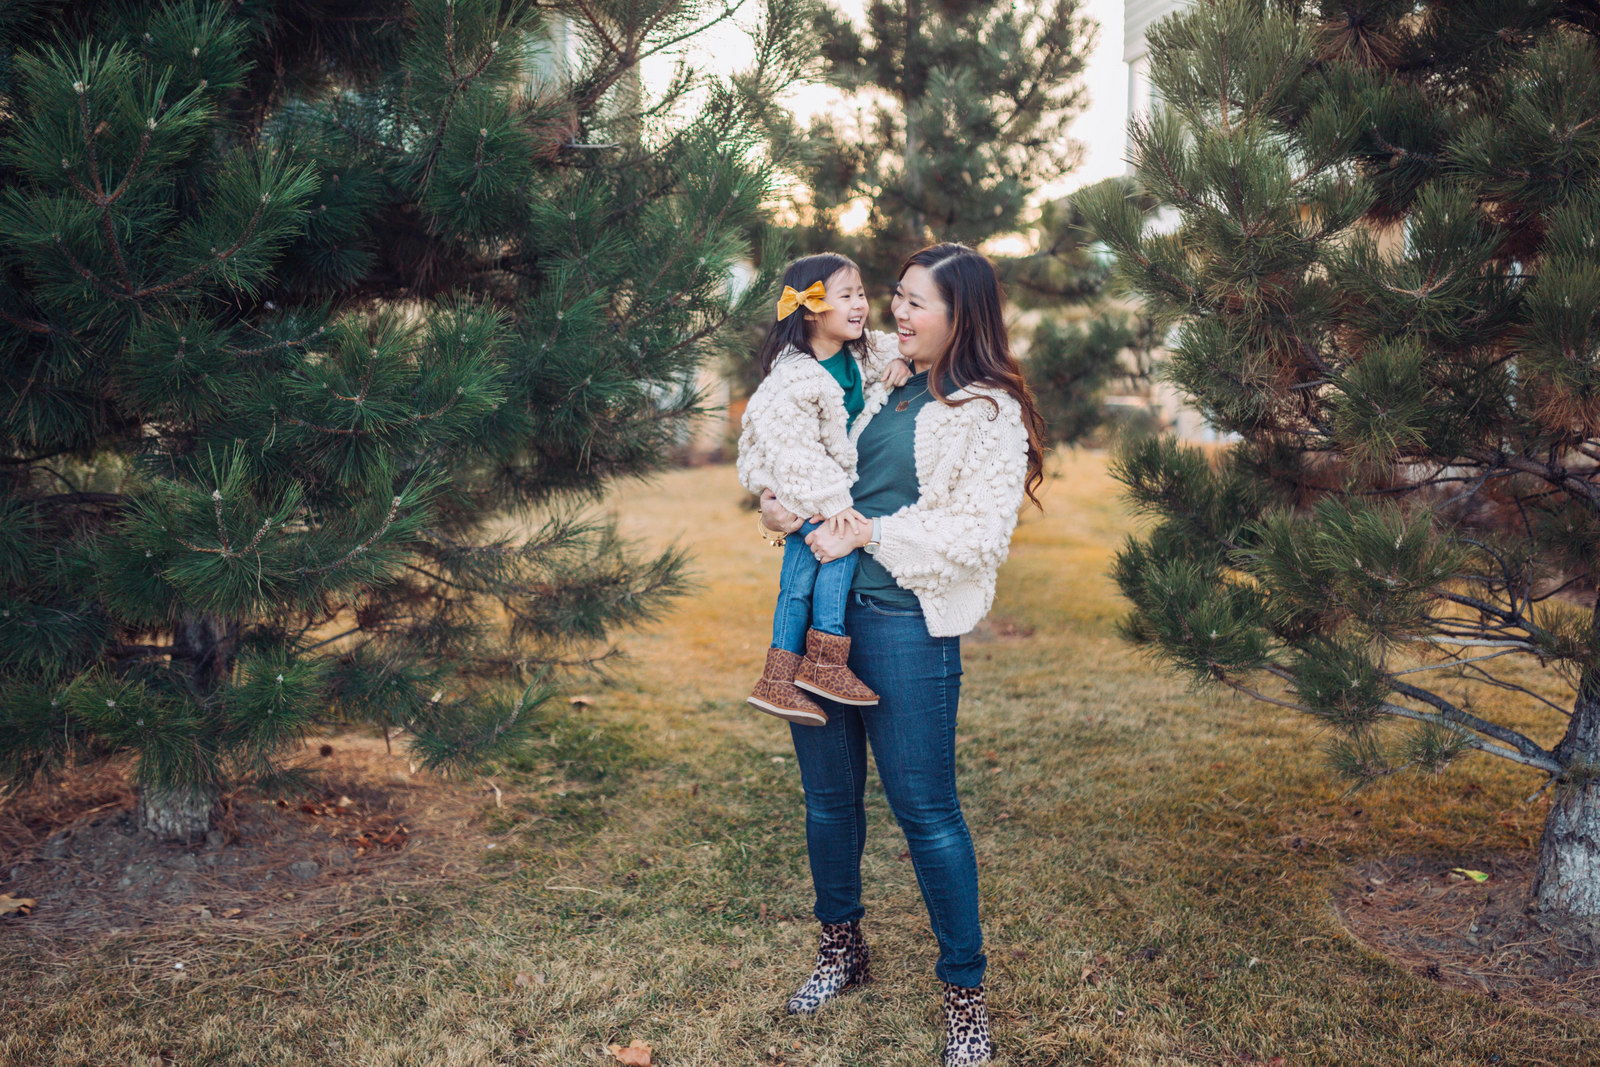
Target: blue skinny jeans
(810, 594)
(912, 732)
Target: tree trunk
(1567, 881)
(182, 813)
(207, 643)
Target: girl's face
(920, 317)
(829, 331)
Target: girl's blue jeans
(912, 731)
(809, 593)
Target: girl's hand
(828, 546)
(839, 524)
(776, 517)
(897, 373)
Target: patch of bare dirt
(373, 824)
(1438, 922)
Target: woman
(943, 467)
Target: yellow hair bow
(790, 301)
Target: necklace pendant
(902, 405)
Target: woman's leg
(792, 615)
(833, 770)
(912, 732)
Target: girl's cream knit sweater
(792, 438)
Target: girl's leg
(830, 592)
(833, 770)
(912, 733)
(792, 615)
(825, 671)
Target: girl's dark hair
(979, 352)
(801, 275)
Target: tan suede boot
(825, 670)
(775, 692)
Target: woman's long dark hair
(801, 275)
(979, 352)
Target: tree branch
(1524, 745)
(1541, 759)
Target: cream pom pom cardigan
(972, 463)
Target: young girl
(822, 370)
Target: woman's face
(830, 331)
(920, 317)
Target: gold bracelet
(774, 538)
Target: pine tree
(962, 112)
(961, 116)
(1071, 365)
(1384, 283)
(307, 310)
(958, 114)
(1069, 368)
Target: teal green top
(887, 460)
(847, 372)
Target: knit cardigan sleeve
(782, 448)
(947, 546)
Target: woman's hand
(828, 546)
(776, 517)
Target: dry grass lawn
(1156, 873)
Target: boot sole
(803, 718)
(835, 697)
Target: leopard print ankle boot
(966, 1027)
(842, 960)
